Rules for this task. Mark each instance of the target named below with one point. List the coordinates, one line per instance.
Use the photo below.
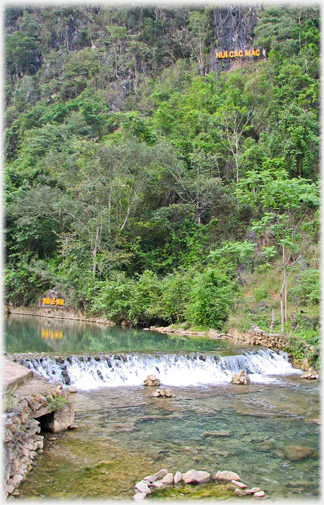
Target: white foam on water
(264, 366)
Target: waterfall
(87, 373)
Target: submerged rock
(219, 433)
(196, 477)
(296, 452)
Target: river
(123, 433)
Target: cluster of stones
(310, 375)
(255, 336)
(240, 378)
(163, 478)
(152, 380)
(161, 393)
(178, 331)
(22, 442)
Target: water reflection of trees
(24, 334)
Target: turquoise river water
(124, 434)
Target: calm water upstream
(124, 434)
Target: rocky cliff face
(233, 31)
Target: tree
(284, 203)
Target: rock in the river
(160, 474)
(239, 484)
(259, 494)
(196, 477)
(151, 380)
(252, 490)
(178, 477)
(167, 479)
(157, 484)
(219, 433)
(161, 393)
(296, 452)
(240, 378)
(73, 389)
(139, 496)
(310, 375)
(226, 475)
(142, 487)
(150, 478)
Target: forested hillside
(153, 186)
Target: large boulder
(151, 380)
(240, 378)
(196, 477)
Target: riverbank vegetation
(153, 190)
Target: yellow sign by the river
(53, 301)
(249, 53)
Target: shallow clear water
(124, 434)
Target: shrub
(307, 289)
(112, 298)
(211, 298)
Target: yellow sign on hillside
(249, 53)
(53, 301)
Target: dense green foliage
(143, 185)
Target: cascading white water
(172, 369)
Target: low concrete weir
(87, 371)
